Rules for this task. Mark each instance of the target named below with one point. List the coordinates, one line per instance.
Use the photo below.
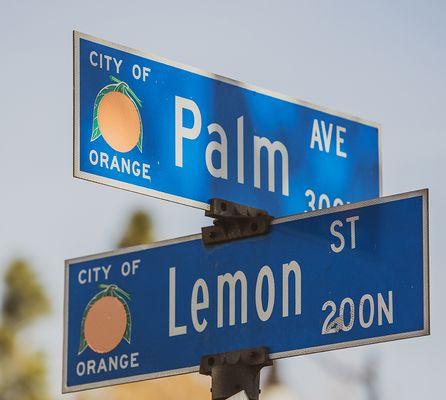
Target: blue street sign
(156, 127)
(342, 277)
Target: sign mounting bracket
(235, 371)
(234, 221)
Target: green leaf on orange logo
(128, 327)
(95, 132)
(139, 144)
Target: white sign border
(77, 173)
(424, 193)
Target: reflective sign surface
(343, 277)
(159, 128)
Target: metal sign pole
(239, 396)
(235, 371)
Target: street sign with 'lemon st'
(156, 127)
(348, 276)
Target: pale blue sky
(383, 61)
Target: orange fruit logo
(116, 117)
(106, 320)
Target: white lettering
(114, 164)
(387, 309)
(107, 364)
(327, 135)
(136, 71)
(232, 280)
(117, 64)
(119, 164)
(134, 360)
(93, 54)
(102, 367)
(80, 279)
(108, 59)
(339, 235)
(93, 157)
(80, 368)
(200, 285)
(181, 131)
(324, 141)
(352, 221)
(240, 151)
(145, 73)
(339, 141)
(145, 171)
(125, 268)
(316, 136)
(265, 314)
(362, 322)
(173, 329)
(136, 168)
(104, 160)
(222, 148)
(294, 267)
(106, 271)
(272, 148)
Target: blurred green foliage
(25, 299)
(22, 373)
(138, 231)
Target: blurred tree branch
(22, 374)
(139, 230)
(367, 376)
